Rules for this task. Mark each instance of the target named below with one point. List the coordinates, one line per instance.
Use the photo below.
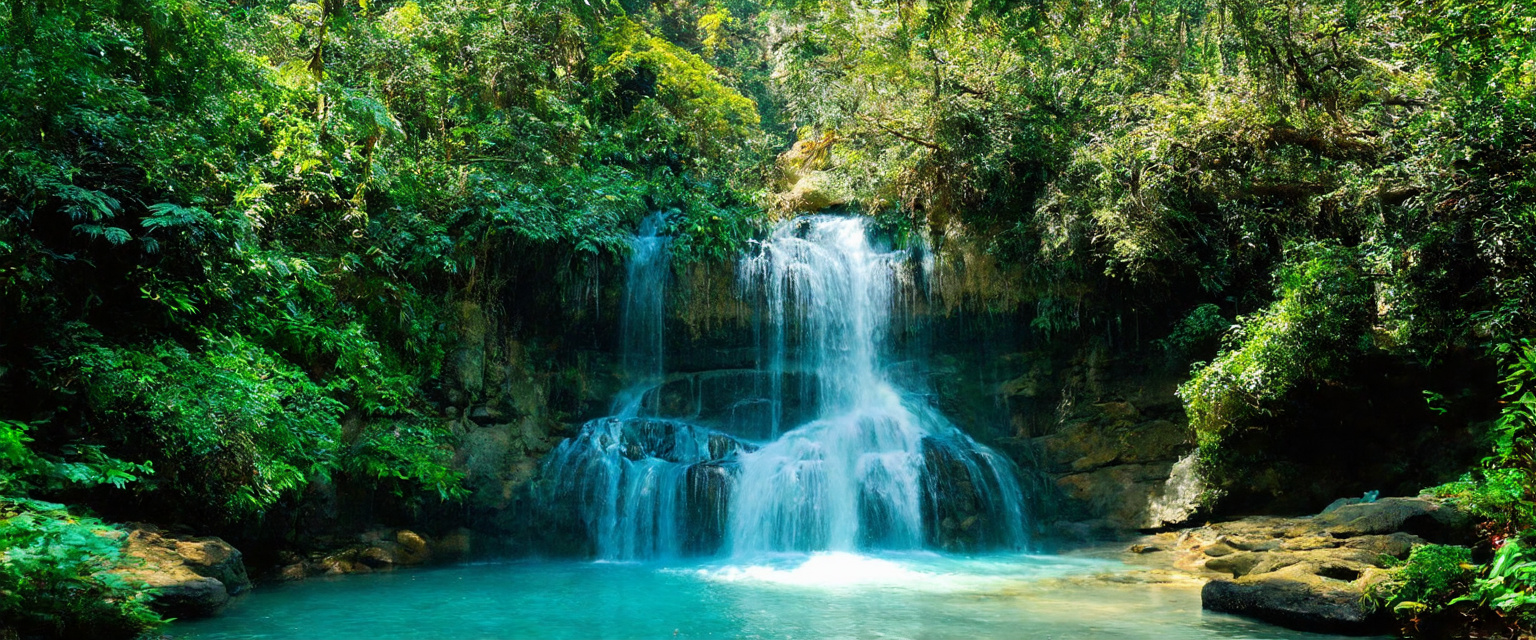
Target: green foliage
(1203, 325)
(1501, 491)
(1139, 161)
(1320, 319)
(1514, 434)
(709, 115)
(409, 457)
(1502, 496)
(231, 427)
(1504, 590)
(236, 428)
(1507, 585)
(230, 230)
(57, 575)
(1430, 580)
(24, 471)
(56, 568)
(1439, 589)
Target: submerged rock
(376, 550)
(192, 577)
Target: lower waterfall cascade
(871, 466)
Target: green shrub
(1201, 327)
(1317, 324)
(1500, 496)
(1501, 491)
(1507, 585)
(1432, 578)
(56, 576)
(232, 427)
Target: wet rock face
(1311, 573)
(1112, 464)
(735, 401)
(192, 577)
(959, 513)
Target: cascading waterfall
(877, 468)
(645, 290)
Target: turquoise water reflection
(915, 596)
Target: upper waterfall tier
(870, 465)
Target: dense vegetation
(231, 233)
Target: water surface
(823, 596)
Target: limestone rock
(413, 543)
(804, 185)
(376, 550)
(1306, 597)
(1312, 572)
(192, 577)
(1426, 518)
(1120, 493)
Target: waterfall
(877, 467)
(645, 290)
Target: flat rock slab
(1295, 601)
(1310, 573)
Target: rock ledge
(1310, 573)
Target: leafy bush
(1318, 322)
(1500, 496)
(56, 575)
(56, 568)
(1501, 491)
(24, 471)
(233, 427)
(1507, 585)
(236, 428)
(1431, 579)
(1202, 326)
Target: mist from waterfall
(875, 467)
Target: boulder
(179, 595)
(380, 549)
(1429, 519)
(1311, 573)
(454, 545)
(1306, 596)
(1118, 494)
(192, 577)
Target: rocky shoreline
(196, 577)
(1310, 573)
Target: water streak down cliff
(877, 467)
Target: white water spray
(878, 468)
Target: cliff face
(1089, 414)
(1095, 430)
